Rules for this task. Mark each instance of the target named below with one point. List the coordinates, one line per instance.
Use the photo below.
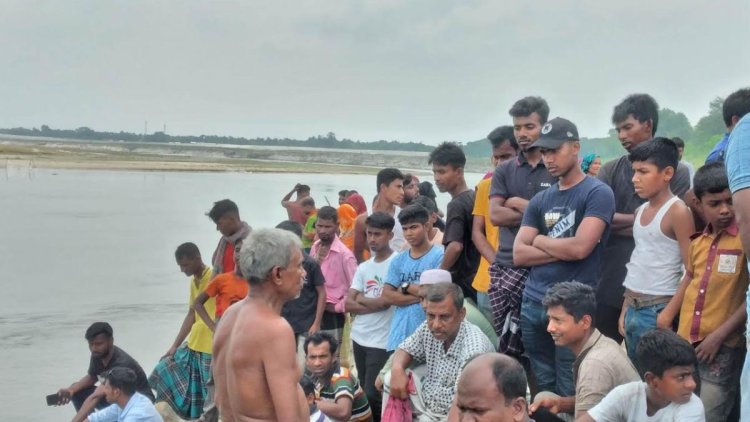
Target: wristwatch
(405, 287)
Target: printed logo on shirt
(410, 277)
(560, 222)
(374, 287)
(545, 184)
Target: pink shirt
(338, 268)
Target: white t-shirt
(627, 403)
(371, 330)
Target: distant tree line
(699, 139)
(321, 141)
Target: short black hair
(679, 142)
(187, 250)
(642, 107)
(528, 105)
(307, 202)
(448, 154)
(576, 298)
(290, 226)
(711, 178)
(427, 202)
(222, 207)
(661, 349)
(736, 104)
(307, 384)
(303, 188)
(387, 176)
(501, 134)
(328, 213)
(413, 213)
(661, 152)
(99, 328)
(425, 189)
(343, 193)
(380, 220)
(408, 177)
(320, 337)
(121, 378)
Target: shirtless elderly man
(255, 366)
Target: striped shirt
(344, 384)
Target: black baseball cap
(555, 133)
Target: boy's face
(502, 153)
(394, 192)
(190, 266)
(415, 233)
(308, 210)
(559, 161)
(563, 327)
(717, 209)
(676, 385)
(527, 129)
(377, 239)
(632, 133)
(648, 180)
(326, 229)
(446, 176)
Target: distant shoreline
(23, 152)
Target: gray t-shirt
(517, 178)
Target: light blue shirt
(719, 151)
(138, 409)
(405, 269)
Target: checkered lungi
(180, 381)
(506, 292)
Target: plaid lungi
(505, 292)
(180, 381)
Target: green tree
(672, 123)
(711, 124)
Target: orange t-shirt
(227, 261)
(227, 288)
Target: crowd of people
(559, 288)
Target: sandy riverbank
(113, 155)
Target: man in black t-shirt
(104, 356)
(305, 313)
(461, 256)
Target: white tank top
(655, 267)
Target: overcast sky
(428, 70)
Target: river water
(78, 246)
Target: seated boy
(308, 387)
(711, 297)
(661, 230)
(668, 363)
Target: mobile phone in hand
(53, 399)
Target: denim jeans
(637, 323)
(483, 304)
(552, 366)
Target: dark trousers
(78, 398)
(369, 362)
(607, 318)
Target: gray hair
(438, 292)
(265, 249)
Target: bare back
(255, 367)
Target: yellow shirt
(201, 337)
(717, 286)
(482, 208)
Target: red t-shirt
(227, 261)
